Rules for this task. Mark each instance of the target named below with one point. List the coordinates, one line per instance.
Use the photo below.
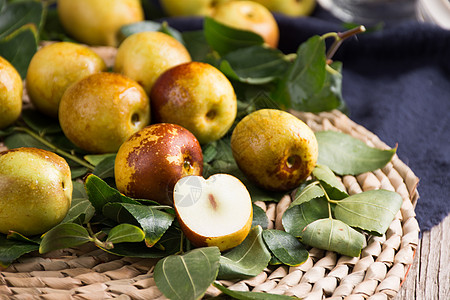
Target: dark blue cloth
(396, 83)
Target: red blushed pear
(274, 149)
(217, 211)
(196, 96)
(152, 160)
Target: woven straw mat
(90, 273)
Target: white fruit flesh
(215, 207)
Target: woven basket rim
(90, 273)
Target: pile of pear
(155, 108)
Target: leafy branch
(54, 148)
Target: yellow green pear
(177, 8)
(97, 22)
(294, 8)
(11, 90)
(274, 149)
(99, 112)
(144, 56)
(251, 16)
(35, 190)
(54, 68)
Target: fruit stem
(54, 148)
(340, 37)
(328, 201)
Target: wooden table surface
(429, 276)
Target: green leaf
(105, 168)
(169, 244)
(285, 247)
(40, 123)
(333, 235)
(309, 192)
(78, 190)
(64, 235)
(81, 211)
(196, 44)
(372, 211)
(259, 217)
(334, 188)
(125, 233)
(77, 172)
(330, 96)
(19, 47)
(10, 250)
(346, 155)
(100, 193)
(153, 221)
(13, 235)
(240, 295)
(254, 65)
(187, 276)
(53, 29)
(143, 26)
(305, 77)
(135, 250)
(297, 217)
(17, 15)
(225, 39)
(247, 259)
(21, 139)
(95, 159)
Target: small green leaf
(372, 211)
(13, 235)
(333, 235)
(105, 168)
(305, 77)
(21, 139)
(285, 247)
(196, 44)
(153, 221)
(346, 155)
(81, 211)
(100, 193)
(259, 217)
(334, 188)
(95, 159)
(247, 259)
(143, 26)
(40, 123)
(10, 250)
(19, 47)
(330, 96)
(188, 276)
(136, 249)
(64, 235)
(225, 39)
(297, 217)
(16, 15)
(125, 233)
(254, 65)
(169, 244)
(78, 190)
(240, 295)
(309, 192)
